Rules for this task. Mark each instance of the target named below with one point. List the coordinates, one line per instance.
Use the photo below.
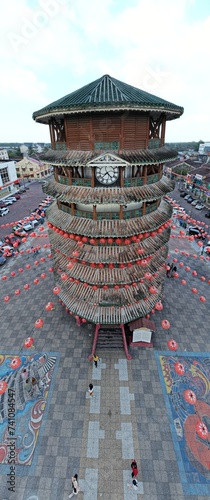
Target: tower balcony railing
(130, 182)
(127, 214)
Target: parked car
(194, 202)
(7, 250)
(2, 260)
(26, 226)
(196, 231)
(183, 194)
(11, 239)
(33, 222)
(2, 205)
(207, 215)
(4, 211)
(190, 199)
(17, 196)
(199, 206)
(18, 231)
(8, 202)
(22, 190)
(187, 196)
(11, 198)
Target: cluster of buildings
(193, 171)
(13, 173)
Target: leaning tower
(109, 226)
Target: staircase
(110, 336)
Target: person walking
(168, 270)
(171, 270)
(134, 485)
(134, 469)
(91, 390)
(75, 485)
(95, 359)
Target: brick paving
(127, 418)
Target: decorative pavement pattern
(179, 374)
(128, 416)
(21, 407)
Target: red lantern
(4, 278)
(39, 323)
(111, 266)
(3, 386)
(202, 430)
(159, 306)
(190, 396)
(116, 287)
(187, 268)
(153, 290)
(49, 306)
(140, 251)
(165, 324)
(50, 269)
(179, 368)
(172, 345)
(85, 285)
(70, 265)
(17, 292)
(12, 273)
(102, 241)
(95, 287)
(56, 290)
(202, 298)
(183, 282)
(64, 276)
(110, 241)
(105, 287)
(194, 273)
(148, 276)
(36, 281)
(143, 262)
(29, 342)
(75, 253)
(202, 278)
(26, 286)
(118, 241)
(92, 241)
(7, 298)
(15, 363)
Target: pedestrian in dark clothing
(171, 269)
(174, 270)
(91, 390)
(168, 270)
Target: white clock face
(107, 174)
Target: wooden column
(121, 212)
(145, 174)
(94, 213)
(144, 208)
(56, 173)
(163, 128)
(122, 170)
(72, 208)
(69, 174)
(93, 177)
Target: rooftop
(107, 93)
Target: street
(22, 208)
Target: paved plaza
(131, 414)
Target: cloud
(51, 47)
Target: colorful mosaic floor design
(21, 407)
(192, 451)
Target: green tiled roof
(109, 93)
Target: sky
(49, 48)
